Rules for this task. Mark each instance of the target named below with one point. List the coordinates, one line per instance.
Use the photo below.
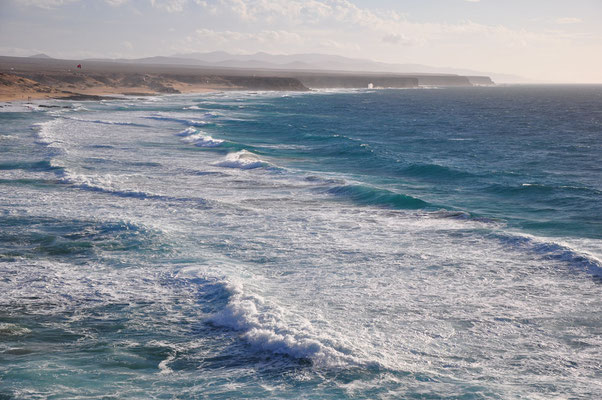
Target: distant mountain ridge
(41, 55)
(309, 61)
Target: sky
(542, 40)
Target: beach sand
(17, 88)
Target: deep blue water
(344, 244)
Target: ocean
(369, 244)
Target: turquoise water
(335, 244)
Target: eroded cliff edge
(24, 77)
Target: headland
(25, 78)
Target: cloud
(51, 4)
(116, 3)
(19, 52)
(171, 6)
(325, 22)
(568, 20)
(271, 41)
(273, 10)
(354, 29)
(264, 36)
(395, 38)
(47, 4)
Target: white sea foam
(242, 159)
(7, 329)
(164, 365)
(187, 132)
(202, 140)
(47, 133)
(103, 122)
(183, 120)
(433, 298)
(198, 138)
(576, 253)
(265, 330)
(107, 183)
(19, 107)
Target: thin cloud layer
(553, 47)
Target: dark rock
(85, 97)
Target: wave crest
(553, 250)
(243, 160)
(265, 330)
(198, 138)
(367, 195)
(185, 121)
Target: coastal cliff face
(46, 85)
(41, 78)
(480, 80)
(356, 81)
(443, 80)
(339, 79)
(34, 78)
(265, 83)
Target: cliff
(44, 77)
(481, 80)
(443, 80)
(319, 81)
(25, 78)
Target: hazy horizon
(550, 41)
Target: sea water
(332, 244)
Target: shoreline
(15, 87)
(39, 81)
(23, 78)
(93, 94)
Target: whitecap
(104, 122)
(265, 330)
(555, 249)
(46, 133)
(13, 329)
(186, 132)
(202, 140)
(185, 121)
(242, 159)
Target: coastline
(23, 79)
(15, 87)
(96, 93)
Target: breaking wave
(198, 138)
(368, 195)
(45, 133)
(243, 160)
(202, 140)
(104, 122)
(265, 330)
(553, 250)
(106, 184)
(185, 121)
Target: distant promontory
(40, 76)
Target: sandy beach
(17, 88)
